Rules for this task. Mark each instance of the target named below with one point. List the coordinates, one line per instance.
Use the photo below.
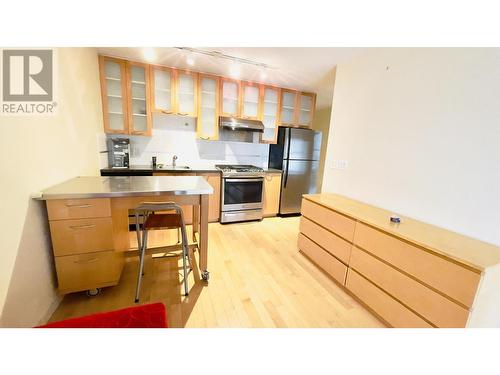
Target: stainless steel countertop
(125, 186)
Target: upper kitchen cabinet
(139, 114)
(186, 93)
(251, 101)
(270, 113)
(162, 89)
(230, 93)
(288, 111)
(307, 104)
(113, 74)
(208, 107)
(297, 108)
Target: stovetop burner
(238, 168)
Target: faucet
(174, 160)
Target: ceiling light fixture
(221, 55)
(149, 54)
(190, 61)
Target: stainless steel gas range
(242, 188)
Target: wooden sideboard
(410, 274)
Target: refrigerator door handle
(289, 131)
(286, 173)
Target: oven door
(242, 193)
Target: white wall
(420, 129)
(176, 135)
(36, 153)
(321, 123)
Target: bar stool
(159, 221)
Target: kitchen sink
(177, 167)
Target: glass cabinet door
(251, 101)
(306, 109)
(162, 89)
(230, 97)
(139, 97)
(186, 93)
(208, 113)
(113, 91)
(270, 109)
(288, 107)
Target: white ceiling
(301, 68)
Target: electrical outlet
(339, 164)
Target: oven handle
(244, 179)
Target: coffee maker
(118, 152)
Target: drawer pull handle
(79, 205)
(86, 226)
(91, 260)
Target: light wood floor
(257, 279)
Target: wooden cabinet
(162, 89)
(306, 105)
(139, 96)
(297, 108)
(271, 98)
(186, 93)
(288, 109)
(230, 97)
(125, 93)
(113, 74)
(83, 244)
(208, 107)
(412, 274)
(271, 195)
(251, 101)
(131, 92)
(214, 179)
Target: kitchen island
(89, 223)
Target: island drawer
(433, 306)
(88, 271)
(332, 243)
(331, 220)
(452, 279)
(393, 312)
(323, 259)
(81, 235)
(60, 209)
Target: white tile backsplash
(176, 135)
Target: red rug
(143, 316)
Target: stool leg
(141, 264)
(185, 255)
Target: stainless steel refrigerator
(297, 155)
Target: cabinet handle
(91, 260)
(85, 226)
(183, 113)
(79, 205)
(205, 138)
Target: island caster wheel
(93, 292)
(205, 275)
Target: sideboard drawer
(323, 259)
(81, 236)
(334, 221)
(433, 306)
(458, 282)
(383, 304)
(59, 209)
(88, 271)
(330, 242)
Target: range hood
(233, 123)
